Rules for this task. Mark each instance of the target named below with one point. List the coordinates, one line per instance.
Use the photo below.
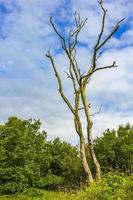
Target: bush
(113, 186)
(115, 180)
(50, 181)
(11, 188)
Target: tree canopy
(115, 149)
(29, 160)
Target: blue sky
(28, 87)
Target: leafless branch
(63, 42)
(68, 75)
(72, 42)
(98, 112)
(100, 34)
(99, 44)
(82, 108)
(99, 55)
(106, 67)
(79, 25)
(60, 83)
(62, 39)
(111, 34)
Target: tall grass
(112, 187)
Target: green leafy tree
(124, 148)
(115, 149)
(27, 159)
(66, 162)
(21, 143)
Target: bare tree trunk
(95, 161)
(84, 162)
(89, 132)
(78, 128)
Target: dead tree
(80, 82)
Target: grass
(113, 187)
(92, 193)
(45, 196)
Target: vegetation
(112, 187)
(30, 164)
(31, 167)
(115, 150)
(27, 159)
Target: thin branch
(72, 65)
(100, 44)
(96, 113)
(60, 83)
(100, 34)
(68, 75)
(99, 55)
(79, 25)
(94, 57)
(62, 39)
(106, 67)
(111, 34)
(82, 108)
(72, 44)
(63, 42)
(103, 24)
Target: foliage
(28, 160)
(115, 150)
(21, 143)
(66, 162)
(113, 186)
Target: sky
(28, 87)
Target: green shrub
(50, 181)
(126, 191)
(115, 180)
(113, 186)
(11, 188)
